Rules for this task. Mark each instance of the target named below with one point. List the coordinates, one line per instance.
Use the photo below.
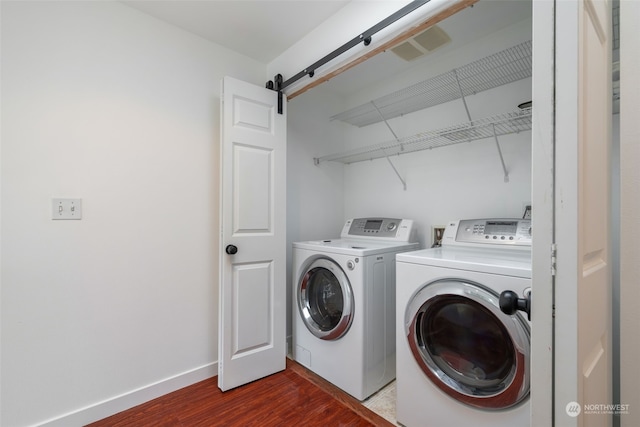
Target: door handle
(231, 249)
(510, 303)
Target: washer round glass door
(466, 346)
(325, 299)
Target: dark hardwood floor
(293, 397)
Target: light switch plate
(66, 208)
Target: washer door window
(325, 299)
(467, 347)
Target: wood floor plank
(293, 397)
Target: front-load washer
(344, 303)
(460, 360)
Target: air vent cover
(432, 38)
(425, 42)
(407, 51)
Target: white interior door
(542, 190)
(252, 330)
(582, 375)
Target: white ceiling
(259, 29)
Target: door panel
(252, 341)
(253, 114)
(583, 281)
(253, 170)
(252, 307)
(594, 280)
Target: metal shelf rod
(504, 167)
(404, 184)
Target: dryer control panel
(379, 228)
(493, 231)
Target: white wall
(315, 194)
(103, 103)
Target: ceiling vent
(425, 42)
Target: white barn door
(583, 286)
(252, 327)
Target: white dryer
(344, 303)
(460, 359)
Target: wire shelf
(503, 124)
(504, 67)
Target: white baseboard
(132, 398)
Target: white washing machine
(344, 303)
(461, 361)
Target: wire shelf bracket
(493, 127)
(404, 183)
(504, 167)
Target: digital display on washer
(373, 224)
(508, 228)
